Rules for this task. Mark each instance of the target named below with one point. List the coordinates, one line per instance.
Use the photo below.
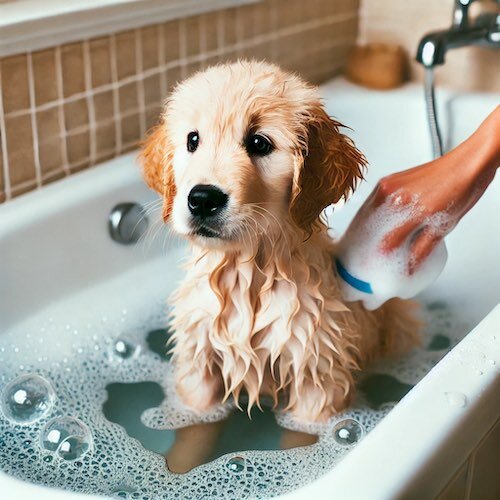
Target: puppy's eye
(258, 145)
(193, 140)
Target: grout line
(34, 125)
(3, 138)
(53, 173)
(140, 81)
(116, 97)
(90, 100)
(30, 183)
(161, 57)
(470, 475)
(60, 104)
(84, 128)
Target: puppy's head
(243, 150)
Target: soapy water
(56, 366)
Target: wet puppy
(246, 159)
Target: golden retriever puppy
(246, 159)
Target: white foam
(387, 273)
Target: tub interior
(98, 340)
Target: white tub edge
(397, 463)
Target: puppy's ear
(156, 158)
(328, 170)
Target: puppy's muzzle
(205, 203)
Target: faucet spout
(484, 30)
(433, 47)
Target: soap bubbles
(68, 437)
(347, 432)
(123, 349)
(123, 492)
(236, 464)
(27, 399)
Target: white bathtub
(54, 243)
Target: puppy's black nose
(206, 201)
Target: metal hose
(430, 101)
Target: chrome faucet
(484, 31)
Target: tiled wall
(67, 108)
(477, 478)
(405, 22)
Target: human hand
(436, 195)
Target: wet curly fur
(259, 311)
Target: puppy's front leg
(199, 390)
(196, 385)
(317, 402)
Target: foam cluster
(54, 370)
(386, 274)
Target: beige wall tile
(261, 51)
(103, 105)
(53, 176)
(105, 137)
(50, 154)
(72, 69)
(15, 89)
(20, 149)
(131, 130)
(78, 167)
(152, 90)
(153, 116)
(44, 75)
(125, 54)
(128, 97)
(24, 188)
(78, 146)
(289, 12)
(192, 68)
(310, 9)
(262, 18)
(245, 22)
(230, 35)
(149, 45)
(171, 41)
(485, 484)
(173, 77)
(76, 114)
(210, 28)
(192, 34)
(212, 61)
(100, 61)
(456, 488)
(48, 124)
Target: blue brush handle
(362, 286)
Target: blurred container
(377, 65)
